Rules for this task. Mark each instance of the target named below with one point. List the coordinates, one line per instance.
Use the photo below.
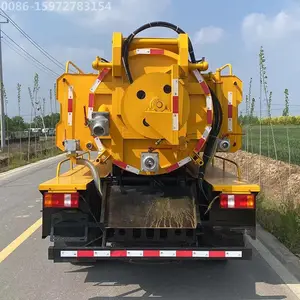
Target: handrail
(59, 166)
(71, 163)
(238, 170)
(72, 64)
(224, 67)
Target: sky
(223, 32)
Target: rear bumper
(85, 254)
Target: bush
(282, 220)
(288, 120)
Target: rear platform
(146, 221)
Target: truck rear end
(142, 138)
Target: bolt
(159, 104)
(89, 145)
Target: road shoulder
(276, 248)
(31, 166)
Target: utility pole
(2, 114)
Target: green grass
(18, 160)
(282, 220)
(281, 141)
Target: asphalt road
(27, 274)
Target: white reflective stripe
(95, 85)
(229, 124)
(90, 111)
(175, 122)
(132, 169)
(101, 253)
(142, 51)
(99, 144)
(135, 253)
(67, 197)
(165, 253)
(206, 132)
(68, 253)
(198, 76)
(67, 203)
(200, 253)
(67, 200)
(70, 92)
(233, 254)
(184, 161)
(70, 117)
(175, 87)
(230, 201)
(230, 98)
(209, 102)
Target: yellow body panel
(228, 183)
(128, 135)
(76, 179)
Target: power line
(28, 54)
(49, 56)
(11, 46)
(16, 50)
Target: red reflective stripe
(118, 253)
(85, 253)
(200, 144)
(216, 253)
(173, 167)
(151, 253)
(209, 117)
(120, 164)
(184, 253)
(103, 73)
(205, 87)
(70, 105)
(91, 100)
(156, 51)
(229, 111)
(175, 105)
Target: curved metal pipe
(94, 172)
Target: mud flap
(144, 207)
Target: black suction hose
(129, 39)
(217, 109)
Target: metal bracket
(197, 159)
(71, 146)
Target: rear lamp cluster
(237, 201)
(61, 200)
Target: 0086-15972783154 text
(55, 5)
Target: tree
(286, 111)
(49, 120)
(14, 124)
(19, 98)
(18, 123)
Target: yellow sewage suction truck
(141, 136)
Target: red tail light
(237, 201)
(61, 200)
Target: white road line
(289, 279)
